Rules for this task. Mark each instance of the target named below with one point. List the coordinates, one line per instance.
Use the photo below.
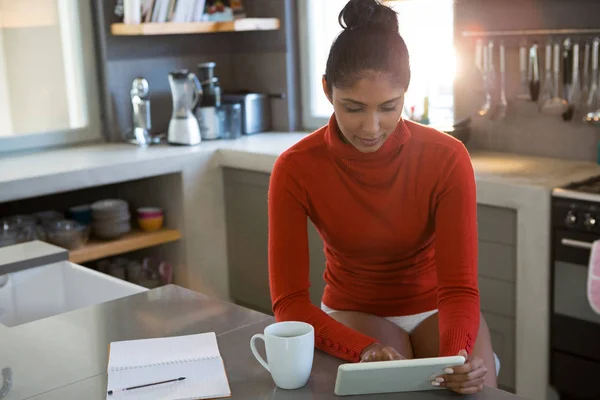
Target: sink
(47, 290)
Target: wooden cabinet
(247, 241)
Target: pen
(146, 385)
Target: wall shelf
(135, 240)
(172, 28)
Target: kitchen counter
(521, 183)
(65, 357)
(52, 171)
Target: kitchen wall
(268, 62)
(256, 61)
(525, 130)
(31, 54)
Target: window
(48, 81)
(427, 26)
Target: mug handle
(255, 352)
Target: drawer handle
(576, 243)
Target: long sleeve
(456, 258)
(289, 267)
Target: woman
(395, 205)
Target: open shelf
(135, 240)
(173, 28)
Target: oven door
(575, 327)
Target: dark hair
(370, 41)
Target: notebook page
(136, 353)
(204, 380)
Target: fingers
(391, 354)
(381, 354)
(370, 357)
(464, 377)
(469, 381)
(472, 364)
(373, 356)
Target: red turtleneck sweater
(399, 228)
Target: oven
(574, 326)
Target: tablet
(392, 376)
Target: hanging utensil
(585, 79)
(574, 97)
(593, 103)
(479, 84)
(503, 104)
(524, 93)
(556, 105)
(487, 79)
(547, 92)
(479, 56)
(534, 73)
(567, 62)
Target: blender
(186, 92)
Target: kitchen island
(196, 185)
(65, 356)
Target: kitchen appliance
(141, 121)
(574, 326)
(230, 120)
(186, 92)
(256, 110)
(207, 109)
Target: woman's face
(368, 112)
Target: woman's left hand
(464, 379)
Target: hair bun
(368, 14)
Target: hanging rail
(531, 32)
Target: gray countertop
(58, 170)
(65, 357)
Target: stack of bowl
(110, 218)
(150, 218)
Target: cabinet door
(502, 332)
(497, 296)
(497, 261)
(317, 265)
(497, 224)
(246, 214)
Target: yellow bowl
(151, 224)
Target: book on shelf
(182, 11)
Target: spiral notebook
(193, 357)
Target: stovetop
(591, 185)
(587, 190)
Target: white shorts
(407, 322)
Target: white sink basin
(53, 289)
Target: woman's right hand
(379, 352)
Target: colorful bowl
(151, 224)
(149, 212)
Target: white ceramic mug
(290, 348)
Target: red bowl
(149, 212)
